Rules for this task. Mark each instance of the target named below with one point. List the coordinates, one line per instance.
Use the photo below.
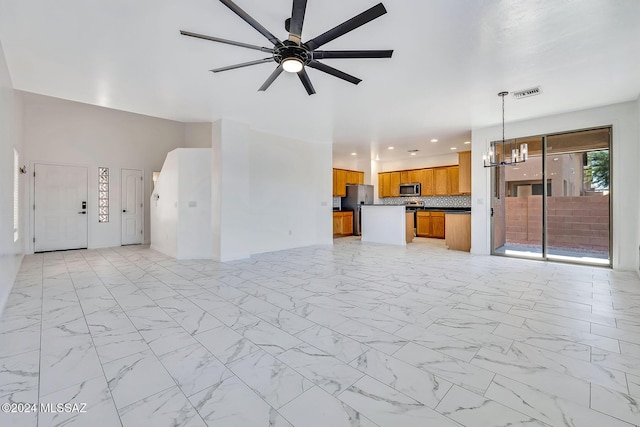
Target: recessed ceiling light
(453, 148)
(434, 140)
(467, 142)
(390, 148)
(413, 154)
(354, 154)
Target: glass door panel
(578, 212)
(517, 204)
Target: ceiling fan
(292, 55)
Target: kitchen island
(387, 224)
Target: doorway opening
(556, 205)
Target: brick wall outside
(572, 222)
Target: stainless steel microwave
(412, 189)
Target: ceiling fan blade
(231, 42)
(337, 73)
(297, 19)
(244, 64)
(249, 20)
(306, 81)
(271, 79)
(331, 54)
(353, 23)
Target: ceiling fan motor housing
(290, 49)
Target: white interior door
(60, 207)
(132, 206)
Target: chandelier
(517, 154)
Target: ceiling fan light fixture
(292, 65)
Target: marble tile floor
(350, 335)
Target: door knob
(124, 210)
(83, 213)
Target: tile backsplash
(431, 201)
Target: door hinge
(34, 173)
(34, 240)
(140, 178)
(140, 204)
(140, 231)
(34, 206)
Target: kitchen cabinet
(339, 183)
(423, 226)
(425, 178)
(441, 181)
(343, 223)
(458, 232)
(454, 179)
(430, 224)
(389, 184)
(464, 164)
(352, 177)
(342, 177)
(384, 184)
(437, 225)
(395, 184)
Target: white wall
(67, 132)
(625, 154)
(288, 186)
(638, 184)
(195, 240)
(10, 137)
(180, 206)
(268, 192)
(197, 135)
(163, 209)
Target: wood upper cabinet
(395, 184)
(342, 177)
(464, 164)
(384, 184)
(454, 180)
(414, 175)
(441, 181)
(352, 177)
(426, 182)
(339, 183)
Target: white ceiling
(451, 59)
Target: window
(103, 194)
(16, 194)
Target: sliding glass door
(517, 204)
(556, 205)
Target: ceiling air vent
(528, 92)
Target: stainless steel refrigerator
(357, 195)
